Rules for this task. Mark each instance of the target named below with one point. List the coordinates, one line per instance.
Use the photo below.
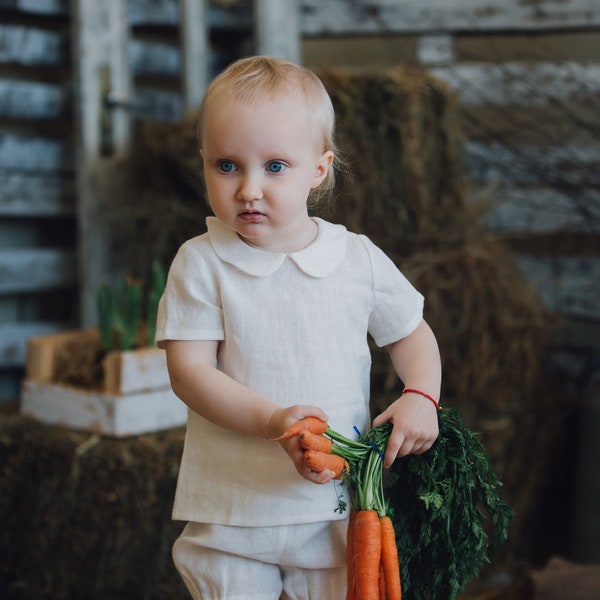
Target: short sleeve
(190, 307)
(397, 305)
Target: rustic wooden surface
(406, 16)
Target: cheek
(215, 185)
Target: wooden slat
(135, 371)
(236, 16)
(32, 47)
(36, 269)
(154, 58)
(120, 416)
(561, 123)
(13, 340)
(543, 210)
(569, 286)
(36, 194)
(233, 16)
(158, 104)
(531, 84)
(153, 12)
(340, 17)
(29, 153)
(32, 100)
(40, 7)
(568, 167)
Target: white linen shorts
(291, 562)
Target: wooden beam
(100, 58)
(230, 16)
(531, 84)
(277, 28)
(340, 17)
(195, 51)
(40, 7)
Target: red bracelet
(411, 391)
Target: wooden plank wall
(39, 275)
(528, 79)
(37, 203)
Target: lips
(251, 216)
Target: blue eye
(226, 166)
(276, 167)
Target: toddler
(264, 320)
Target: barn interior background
(95, 97)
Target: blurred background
(472, 132)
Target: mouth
(251, 216)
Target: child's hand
(415, 426)
(280, 420)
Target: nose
(249, 190)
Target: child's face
(261, 160)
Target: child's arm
(220, 399)
(416, 360)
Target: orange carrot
(351, 585)
(319, 461)
(311, 424)
(311, 441)
(367, 554)
(389, 560)
(382, 589)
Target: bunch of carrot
(372, 555)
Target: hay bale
(399, 132)
(86, 516)
(163, 203)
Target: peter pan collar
(317, 260)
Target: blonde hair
(257, 77)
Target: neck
(287, 245)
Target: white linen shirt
(292, 327)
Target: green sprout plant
(121, 314)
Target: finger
(422, 448)
(324, 476)
(393, 450)
(318, 477)
(382, 418)
(307, 410)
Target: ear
(323, 166)
(201, 151)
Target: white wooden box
(135, 398)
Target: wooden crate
(135, 397)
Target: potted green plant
(109, 379)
